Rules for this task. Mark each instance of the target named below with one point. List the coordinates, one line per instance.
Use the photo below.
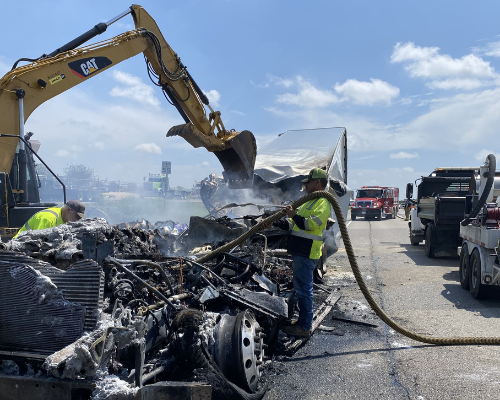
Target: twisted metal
(357, 273)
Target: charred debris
(120, 311)
(94, 311)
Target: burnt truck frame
(443, 198)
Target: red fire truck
(376, 202)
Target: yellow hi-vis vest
(308, 242)
(47, 218)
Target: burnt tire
(477, 289)
(464, 267)
(430, 235)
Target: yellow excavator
(25, 87)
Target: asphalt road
(423, 295)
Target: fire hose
(355, 269)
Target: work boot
(296, 330)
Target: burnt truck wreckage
(88, 310)
(94, 311)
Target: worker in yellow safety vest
(72, 211)
(304, 244)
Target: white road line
(338, 233)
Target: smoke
(131, 208)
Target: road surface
(424, 295)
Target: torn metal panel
(202, 231)
(274, 306)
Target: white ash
(44, 288)
(62, 242)
(113, 388)
(206, 329)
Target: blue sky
(416, 84)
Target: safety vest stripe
(306, 224)
(316, 219)
(307, 235)
(28, 228)
(290, 224)
(312, 204)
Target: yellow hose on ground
(355, 269)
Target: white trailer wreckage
(93, 311)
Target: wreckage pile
(119, 308)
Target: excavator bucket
(237, 159)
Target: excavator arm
(24, 88)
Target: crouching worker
(304, 244)
(72, 211)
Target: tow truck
(479, 254)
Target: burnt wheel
(430, 235)
(477, 289)
(464, 267)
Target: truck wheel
(413, 241)
(379, 216)
(464, 267)
(353, 217)
(429, 241)
(477, 289)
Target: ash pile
(119, 313)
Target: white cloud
(465, 84)
(491, 49)
(62, 153)
(99, 145)
(308, 96)
(148, 148)
(367, 93)
(445, 71)
(403, 154)
(280, 81)
(352, 90)
(483, 153)
(213, 97)
(135, 89)
(237, 112)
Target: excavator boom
(24, 88)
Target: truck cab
(376, 202)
